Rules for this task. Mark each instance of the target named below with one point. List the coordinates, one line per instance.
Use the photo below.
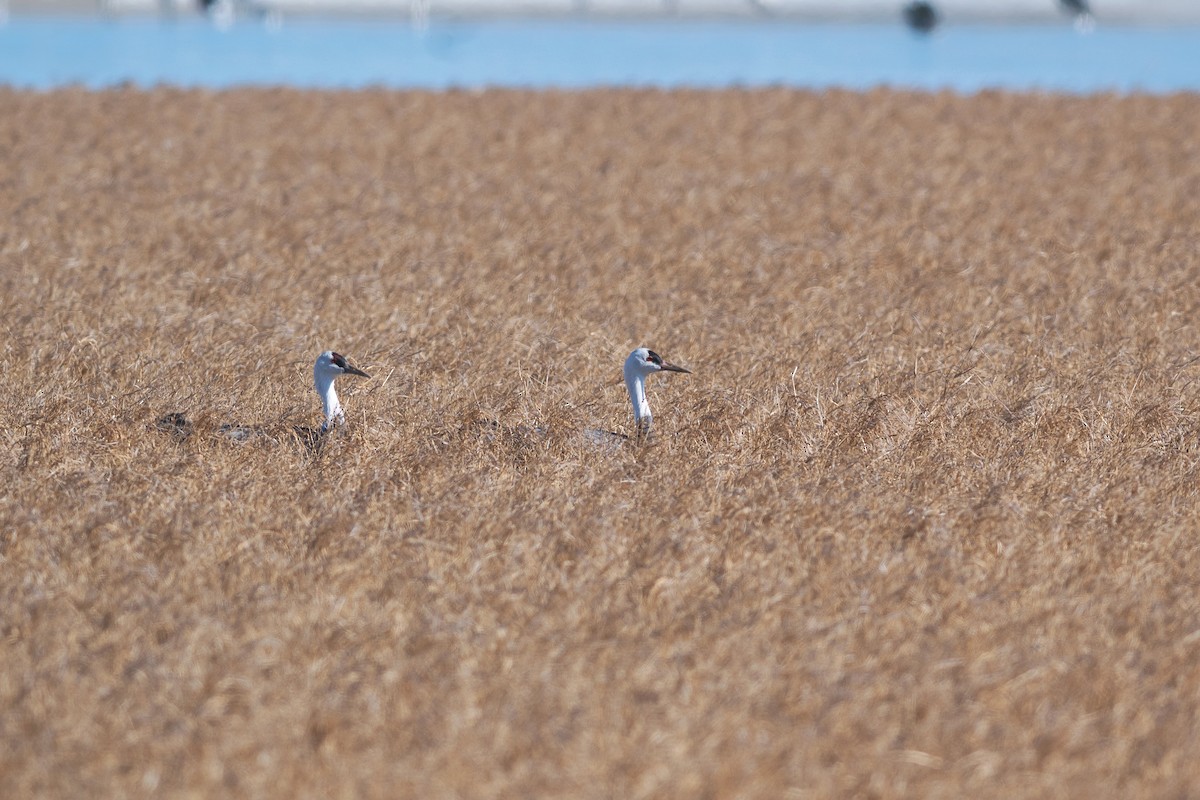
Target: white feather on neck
(635, 382)
(329, 400)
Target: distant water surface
(44, 53)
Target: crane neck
(635, 382)
(329, 400)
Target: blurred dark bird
(176, 424)
(921, 16)
(1081, 12)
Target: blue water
(44, 53)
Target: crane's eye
(339, 360)
(654, 357)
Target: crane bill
(355, 371)
(666, 367)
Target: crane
(641, 364)
(327, 368)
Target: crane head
(331, 364)
(644, 361)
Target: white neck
(329, 401)
(635, 382)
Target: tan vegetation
(922, 523)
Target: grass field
(923, 522)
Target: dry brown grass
(922, 523)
